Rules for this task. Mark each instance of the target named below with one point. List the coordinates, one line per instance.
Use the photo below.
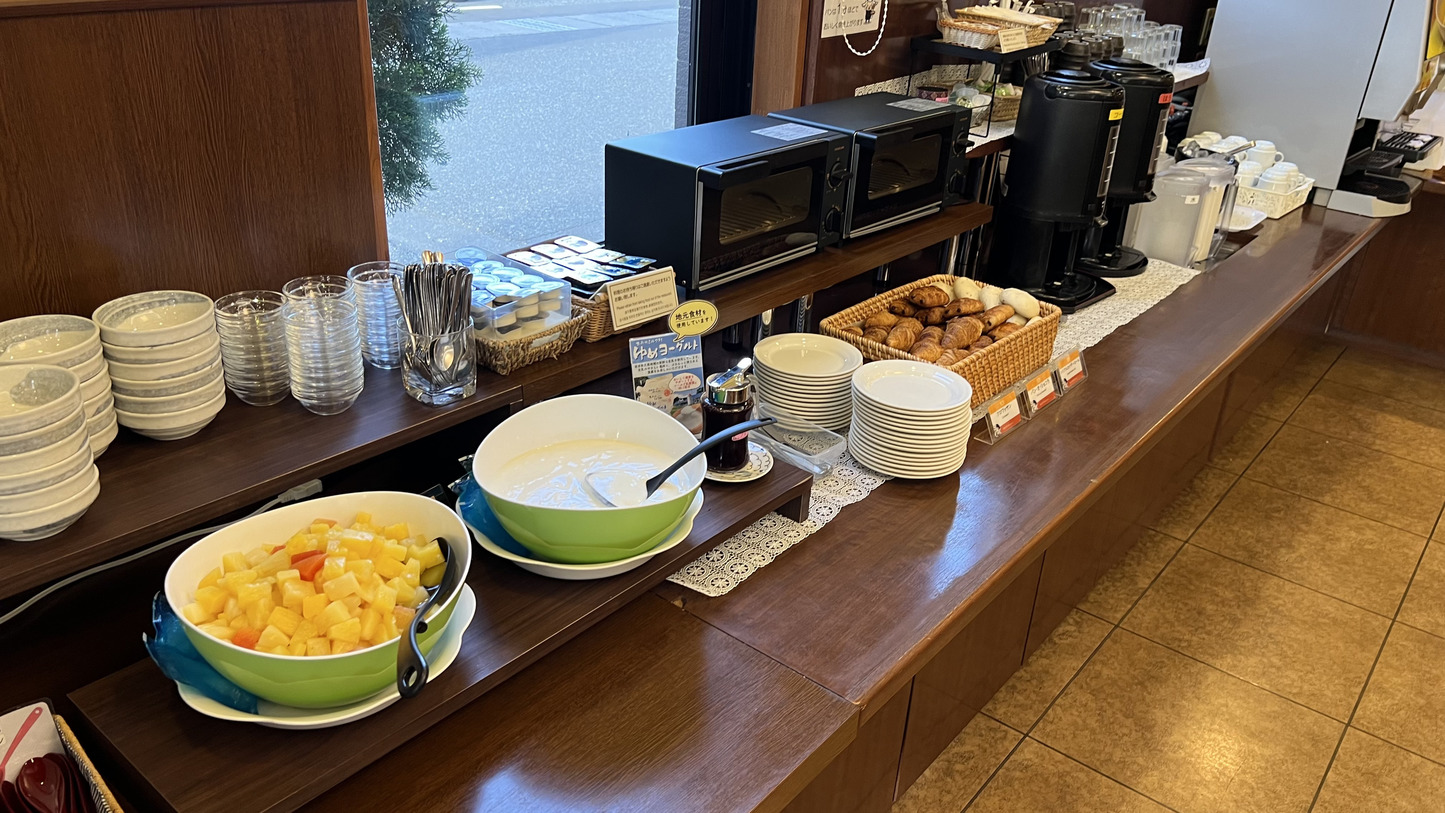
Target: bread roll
(884, 319)
(854, 330)
(931, 316)
(962, 307)
(983, 341)
(1005, 329)
(902, 307)
(876, 334)
(995, 316)
(926, 350)
(965, 288)
(902, 337)
(933, 332)
(961, 332)
(1022, 302)
(991, 296)
(929, 297)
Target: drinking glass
(379, 312)
(439, 368)
(253, 346)
(324, 352)
(321, 286)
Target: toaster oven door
(758, 212)
(901, 174)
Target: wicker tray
(1005, 108)
(505, 355)
(969, 33)
(1037, 27)
(989, 371)
(598, 313)
(104, 800)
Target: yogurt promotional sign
(667, 374)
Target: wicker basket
(506, 355)
(1005, 108)
(1038, 27)
(1274, 204)
(989, 371)
(104, 800)
(598, 313)
(969, 34)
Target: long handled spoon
(411, 665)
(622, 489)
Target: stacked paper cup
(910, 419)
(48, 477)
(72, 342)
(165, 362)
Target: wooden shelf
(150, 489)
(929, 44)
(187, 762)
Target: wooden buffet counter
(829, 679)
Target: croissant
(980, 343)
(932, 332)
(854, 330)
(902, 337)
(902, 307)
(995, 316)
(876, 334)
(931, 316)
(929, 297)
(962, 332)
(1005, 329)
(884, 319)
(910, 323)
(962, 307)
(952, 357)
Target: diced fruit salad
(328, 590)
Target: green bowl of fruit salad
(304, 605)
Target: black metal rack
(927, 44)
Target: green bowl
(587, 535)
(328, 680)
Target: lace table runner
(727, 565)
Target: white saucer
(760, 462)
(807, 355)
(274, 715)
(912, 386)
(557, 570)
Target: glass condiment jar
(728, 402)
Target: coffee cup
(1264, 153)
(1295, 176)
(1248, 172)
(1229, 144)
(1274, 184)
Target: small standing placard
(642, 298)
(1069, 370)
(667, 374)
(1001, 416)
(1040, 389)
(1012, 39)
(693, 318)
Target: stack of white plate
(47, 473)
(807, 375)
(165, 362)
(910, 419)
(72, 342)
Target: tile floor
(1275, 643)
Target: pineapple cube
(421, 595)
(300, 543)
(271, 638)
(389, 568)
(321, 526)
(249, 594)
(239, 622)
(317, 646)
(213, 599)
(370, 624)
(342, 647)
(273, 564)
(232, 562)
(403, 617)
(335, 613)
(341, 587)
(394, 550)
(285, 620)
(234, 580)
(398, 531)
(196, 614)
(363, 568)
(311, 606)
(332, 569)
(288, 575)
(257, 613)
(429, 554)
(305, 631)
(255, 556)
(296, 648)
(353, 603)
(412, 574)
(362, 518)
(211, 579)
(367, 589)
(432, 576)
(385, 601)
(334, 547)
(388, 627)
(222, 631)
(293, 593)
(348, 631)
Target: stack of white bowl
(807, 376)
(47, 473)
(165, 362)
(72, 342)
(910, 419)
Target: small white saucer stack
(910, 419)
(165, 362)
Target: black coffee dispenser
(1058, 175)
(1147, 93)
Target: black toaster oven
(722, 200)
(908, 155)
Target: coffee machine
(1147, 93)
(1054, 190)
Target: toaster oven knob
(833, 221)
(955, 183)
(961, 143)
(837, 174)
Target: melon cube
(311, 606)
(342, 647)
(196, 614)
(221, 631)
(211, 579)
(232, 562)
(370, 624)
(273, 564)
(285, 620)
(271, 638)
(335, 613)
(348, 631)
(213, 599)
(317, 646)
(332, 569)
(341, 587)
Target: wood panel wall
(209, 147)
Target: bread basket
(1038, 27)
(989, 371)
(968, 33)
